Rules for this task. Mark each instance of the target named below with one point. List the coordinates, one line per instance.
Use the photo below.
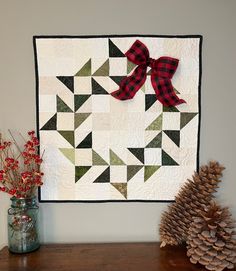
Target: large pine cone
(192, 198)
(211, 240)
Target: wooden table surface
(99, 257)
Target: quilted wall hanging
(118, 116)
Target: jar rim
(23, 202)
(28, 198)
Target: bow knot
(162, 70)
(151, 63)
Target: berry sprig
(20, 176)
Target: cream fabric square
(152, 156)
(99, 49)
(118, 174)
(101, 139)
(137, 104)
(83, 157)
(47, 103)
(136, 138)
(65, 121)
(82, 85)
(101, 121)
(118, 66)
(119, 121)
(117, 107)
(118, 138)
(101, 103)
(136, 122)
(171, 121)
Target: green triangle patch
(156, 142)
(68, 81)
(138, 153)
(104, 177)
(185, 118)
(115, 159)
(62, 106)
(149, 72)
(132, 170)
(51, 124)
(156, 124)
(176, 91)
(103, 70)
(97, 88)
(117, 79)
(150, 99)
(79, 100)
(81, 171)
(167, 160)
(68, 135)
(114, 51)
(86, 142)
(143, 88)
(149, 171)
(98, 160)
(174, 135)
(79, 118)
(130, 66)
(170, 109)
(121, 187)
(69, 154)
(85, 70)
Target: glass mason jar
(23, 225)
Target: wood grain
(99, 257)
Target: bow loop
(165, 67)
(138, 53)
(162, 70)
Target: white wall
(214, 19)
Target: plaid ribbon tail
(164, 91)
(131, 84)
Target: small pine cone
(211, 239)
(192, 198)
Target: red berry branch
(20, 175)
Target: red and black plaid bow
(162, 70)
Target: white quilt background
(115, 126)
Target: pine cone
(211, 240)
(193, 197)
